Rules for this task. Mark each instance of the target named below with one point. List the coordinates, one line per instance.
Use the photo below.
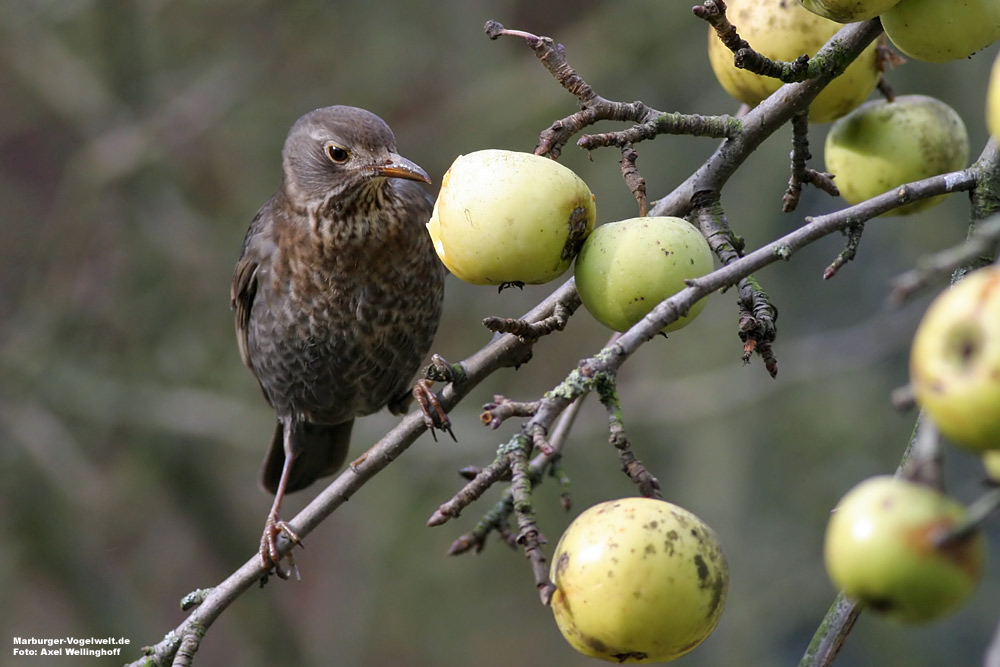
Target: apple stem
(979, 512)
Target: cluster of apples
(643, 580)
(505, 217)
(904, 548)
(637, 579)
(874, 146)
(929, 30)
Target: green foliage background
(137, 139)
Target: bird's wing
(257, 247)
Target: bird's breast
(339, 331)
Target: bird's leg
(275, 525)
(430, 405)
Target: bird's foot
(270, 556)
(430, 405)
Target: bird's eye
(338, 154)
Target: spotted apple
(955, 361)
(784, 30)
(638, 580)
(887, 546)
(509, 217)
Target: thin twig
(757, 323)
(498, 516)
(979, 512)
(532, 331)
(502, 408)
(850, 251)
(594, 108)
(757, 315)
(633, 179)
(648, 485)
(979, 249)
(528, 535)
(745, 57)
(800, 171)
(471, 492)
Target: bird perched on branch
(337, 296)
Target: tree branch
(764, 119)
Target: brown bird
(337, 296)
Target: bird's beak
(397, 166)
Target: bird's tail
(322, 449)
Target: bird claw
(434, 414)
(270, 556)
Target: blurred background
(138, 139)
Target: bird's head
(342, 152)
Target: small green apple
(993, 101)
(638, 580)
(784, 30)
(626, 268)
(848, 11)
(942, 30)
(882, 548)
(509, 217)
(955, 361)
(882, 145)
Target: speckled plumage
(338, 289)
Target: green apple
(626, 268)
(848, 11)
(991, 461)
(638, 580)
(955, 361)
(784, 30)
(993, 101)
(883, 548)
(942, 30)
(508, 217)
(882, 145)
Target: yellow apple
(942, 30)
(784, 30)
(882, 145)
(638, 580)
(848, 11)
(991, 461)
(883, 548)
(626, 268)
(509, 217)
(993, 101)
(955, 361)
